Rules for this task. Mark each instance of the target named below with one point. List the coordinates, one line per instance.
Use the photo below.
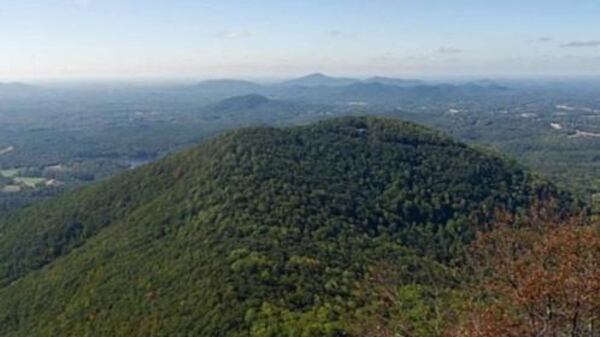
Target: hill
(319, 80)
(259, 110)
(245, 102)
(258, 232)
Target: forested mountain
(258, 232)
(259, 110)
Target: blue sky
(267, 38)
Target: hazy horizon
(263, 80)
(180, 39)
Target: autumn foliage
(538, 279)
(531, 275)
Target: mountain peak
(319, 79)
(259, 227)
(316, 76)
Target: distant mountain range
(314, 88)
(326, 89)
(322, 80)
(312, 80)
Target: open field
(9, 173)
(29, 181)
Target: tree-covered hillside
(258, 232)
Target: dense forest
(353, 226)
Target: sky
(43, 39)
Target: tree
(412, 300)
(538, 280)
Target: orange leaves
(540, 279)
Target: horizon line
(273, 79)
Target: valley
(256, 212)
(97, 132)
(299, 168)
